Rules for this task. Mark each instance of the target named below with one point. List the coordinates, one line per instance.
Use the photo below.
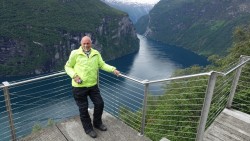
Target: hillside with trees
(202, 26)
(37, 36)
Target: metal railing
(178, 108)
(241, 97)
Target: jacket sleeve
(69, 66)
(105, 66)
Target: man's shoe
(92, 134)
(101, 127)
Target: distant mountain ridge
(135, 10)
(203, 26)
(37, 36)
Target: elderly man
(82, 67)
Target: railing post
(144, 108)
(9, 110)
(206, 106)
(235, 83)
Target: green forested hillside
(175, 114)
(73, 15)
(203, 26)
(37, 36)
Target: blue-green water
(156, 60)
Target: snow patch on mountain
(147, 2)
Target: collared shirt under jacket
(86, 67)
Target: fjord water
(153, 61)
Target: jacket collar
(92, 52)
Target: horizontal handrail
(56, 74)
(181, 77)
(130, 78)
(34, 79)
(233, 69)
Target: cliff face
(116, 42)
(203, 26)
(37, 37)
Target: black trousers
(81, 97)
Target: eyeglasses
(86, 43)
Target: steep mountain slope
(203, 26)
(37, 36)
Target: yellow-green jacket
(86, 67)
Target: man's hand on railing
(116, 72)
